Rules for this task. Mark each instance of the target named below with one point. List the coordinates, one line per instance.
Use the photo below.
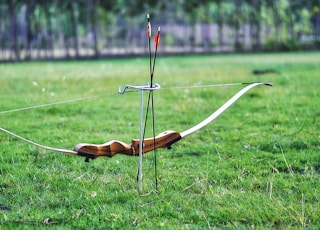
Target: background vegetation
(256, 166)
(39, 29)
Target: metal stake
(141, 89)
(141, 142)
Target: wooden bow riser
(111, 148)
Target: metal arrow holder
(141, 89)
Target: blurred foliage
(39, 29)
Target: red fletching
(149, 30)
(156, 39)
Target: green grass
(256, 166)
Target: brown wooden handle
(111, 148)
(163, 140)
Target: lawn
(256, 166)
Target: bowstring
(55, 103)
(108, 94)
(202, 86)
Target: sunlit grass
(255, 166)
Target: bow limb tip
(259, 83)
(267, 84)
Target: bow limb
(39, 145)
(223, 108)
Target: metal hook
(156, 86)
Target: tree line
(41, 29)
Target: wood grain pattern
(111, 148)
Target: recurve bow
(163, 140)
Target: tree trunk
(277, 23)
(255, 26)
(74, 23)
(95, 5)
(49, 47)
(236, 24)
(220, 25)
(29, 12)
(14, 30)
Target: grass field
(256, 166)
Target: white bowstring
(201, 86)
(55, 103)
(107, 94)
